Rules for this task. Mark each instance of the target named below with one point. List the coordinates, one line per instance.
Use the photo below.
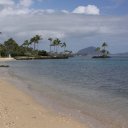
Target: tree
(35, 40)
(63, 46)
(42, 53)
(26, 43)
(11, 46)
(56, 43)
(50, 39)
(98, 49)
(103, 50)
(104, 45)
(0, 46)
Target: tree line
(30, 47)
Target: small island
(103, 53)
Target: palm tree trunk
(34, 46)
(56, 49)
(64, 49)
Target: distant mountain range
(88, 51)
(91, 51)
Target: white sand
(6, 59)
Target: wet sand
(19, 110)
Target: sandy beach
(6, 59)
(19, 110)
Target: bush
(42, 53)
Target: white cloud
(65, 11)
(49, 10)
(90, 9)
(20, 21)
(9, 7)
(23, 7)
(25, 3)
(55, 25)
(78, 30)
(14, 11)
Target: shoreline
(6, 59)
(17, 109)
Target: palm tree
(50, 39)
(104, 52)
(26, 43)
(56, 43)
(63, 46)
(107, 53)
(32, 41)
(35, 40)
(104, 45)
(0, 49)
(98, 50)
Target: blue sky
(80, 23)
(107, 7)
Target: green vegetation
(29, 48)
(102, 51)
(50, 39)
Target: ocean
(93, 91)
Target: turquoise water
(95, 91)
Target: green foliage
(56, 43)
(103, 50)
(35, 40)
(98, 49)
(11, 47)
(42, 53)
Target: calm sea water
(95, 91)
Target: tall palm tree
(0, 49)
(56, 43)
(50, 39)
(104, 45)
(32, 41)
(98, 50)
(26, 43)
(63, 46)
(104, 52)
(35, 40)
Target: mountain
(88, 51)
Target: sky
(79, 23)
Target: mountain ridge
(88, 51)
